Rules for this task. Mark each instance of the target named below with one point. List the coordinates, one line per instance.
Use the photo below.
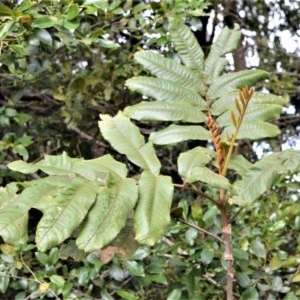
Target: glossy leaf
(250, 293)
(258, 248)
(165, 111)
(175, 295)
(207, 255)
(168, 69)
(6, 29)
(126, 138)
(176, 133)
(44, 36)
(108, 215)
(153, 210)
(44, 22)
(165, 90)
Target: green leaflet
(255, 112)
(94, 169)
(153, 210)
(187, 161)
(226, 101)
(226, 42)
(23, 167)
(206, 175)
(187, 47)
(165, 90)
(64, 212)
(108, 215)
(262, 176)
(259, 97)
(14, 213)
(165, 111)
(126, 138)
(104, 164)
(176, 133)
(239, 164)
(168, 69)
(252, 130)
(232, 81)
(8, 193)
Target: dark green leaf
(5, 29)
(44, 22)
(258, 248)
(135, 268)
(207, 255)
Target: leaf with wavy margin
(108, 215)
(126, 138)
(64, 212)
(197, 157)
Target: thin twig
(213, 282)
(35, 278)
(186, 187)
(236, 214)
(201, 230)
(88, 137)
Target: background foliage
(65, 62)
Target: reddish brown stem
(228, 256)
